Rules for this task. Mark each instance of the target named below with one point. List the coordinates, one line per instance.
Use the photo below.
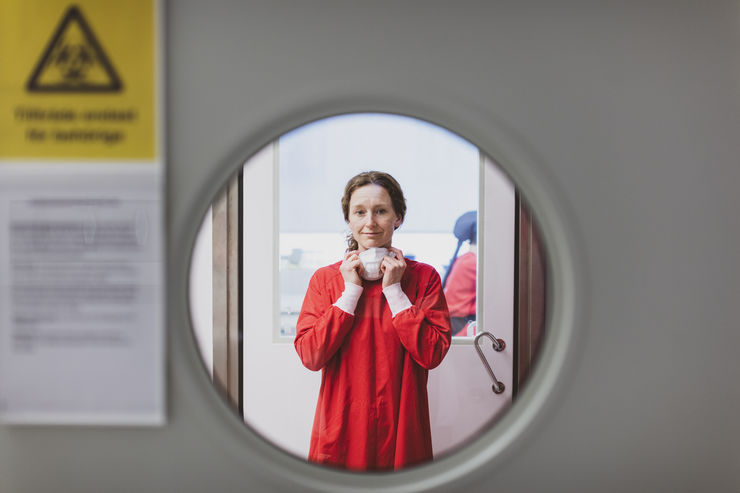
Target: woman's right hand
(350, 268)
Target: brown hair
(373, 178)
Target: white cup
(371, 259)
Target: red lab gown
(373, 411)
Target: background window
(437, 170)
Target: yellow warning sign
(74, 60)
(78, 80)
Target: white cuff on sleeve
(397, 299)
(350, 296)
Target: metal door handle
(498, 346)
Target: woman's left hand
(393, 268)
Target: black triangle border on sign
(74, 13)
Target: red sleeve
(424, 328)
(321, 326)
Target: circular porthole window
(371, 293)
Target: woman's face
(372, 218)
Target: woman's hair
(373, 178)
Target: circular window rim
(558, 355)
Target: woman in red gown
(373, 340)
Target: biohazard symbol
(74, 61)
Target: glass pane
(437, 170)
(293, 225)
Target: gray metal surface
(618, 120)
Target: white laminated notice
(81, 295)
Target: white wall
(461, 401)
(201, 290)
(274, 379)
(279, 393)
